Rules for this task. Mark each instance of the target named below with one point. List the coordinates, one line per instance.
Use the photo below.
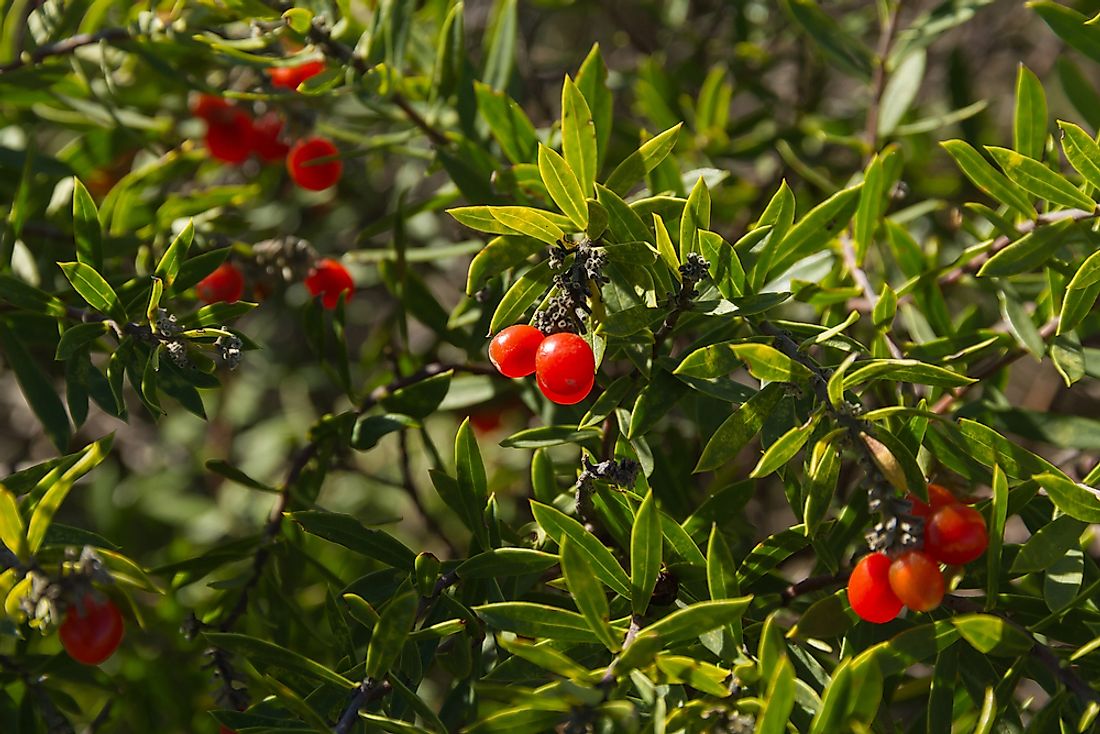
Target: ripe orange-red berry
(869, 591)
(955, 534)
(208, 107)
(291, 77)
(229, 137)
(224, 284)
(916, 579)
(92, 630)
(313, 164)
(938, 497)
(329, 279)
(565, 368)
(512, 350)
(267, 138)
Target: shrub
(760, 272)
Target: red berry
(329, 279)
(512, 351)
(230, 140)
(309, 174)
(267, 138)
(210, 108)
(92, 630)
(955, 534)
(224, 284)
(291, 77)
(223, 729)
(565, 368)
(915, 578)
(937, 497)
(869, 590)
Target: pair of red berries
(954, 534)
(92, 630)
(563, 363)
(328, 279)
(232, 136)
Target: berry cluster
(232, 135)
(327, 278)
(563, 363)
(954, 534)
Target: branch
(878, 79)
(365, 693)
(66, 47)
(812, 584)
(864, 283)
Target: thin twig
(366, 692)
(878, 79)
(812, 584)
(864, 283)
(66, 46)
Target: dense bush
(816, 282)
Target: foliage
(816, 272)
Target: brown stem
(66, 46)
(864, 283)
(366, 692)
(812, 584)
(878, 80)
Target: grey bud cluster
(898, 529)
(620, 472)
(229, 349)
(177, 352)
(566, 310)
(286, 259)
(166, 325)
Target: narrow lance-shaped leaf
(1033, 176)
(647, 157)
(645, 554)
(169, 266)
(86, 229)
(588, 594)
(390, 633)
(696, 216)
(561, 182)
(1082, 152)
(36, 388)
(578, 136)
(1029, 130)
(987, 178)
(96, 291)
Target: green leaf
(26, 296)
(500, 254)
(992, 635)
(348, 532)
(86, 228)
(546, 657)
(987, 178)
(468, 463)
(905, 370)
(508, 123)
(823, 472)
(763, 362)
(1068, 357)
(779, 702)
(1048, 544)
(700, 675)
(370, 429)
(689, 622)
(389, 635)
(592, 81)
(1028, 252)
(1079, 90)
(1031, 175)
(169, 266)
(578, 137)
(563, 187)
(1075, 500)
(814, 230)
(1062, 579)
(233, 474)
(900, 91)
(420, 399)
(536, 620)
(558, 525)
(529, 287)
(500, 44)
(12, 530)
(639, 163)
(872, 204)
(544, 436)
(1029, 130)
(998, 518)
(784, 448)
(506, 562)
(1070, 25)
(1081, 151)
(588, 594)
(1081, 293)
(696, 217)
(722, 579)
(1020, 322)
(645, 554)
(845, 52)
(531, 222)
(35, 385)
(623, 222)
(269, 656)
(94, 289)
